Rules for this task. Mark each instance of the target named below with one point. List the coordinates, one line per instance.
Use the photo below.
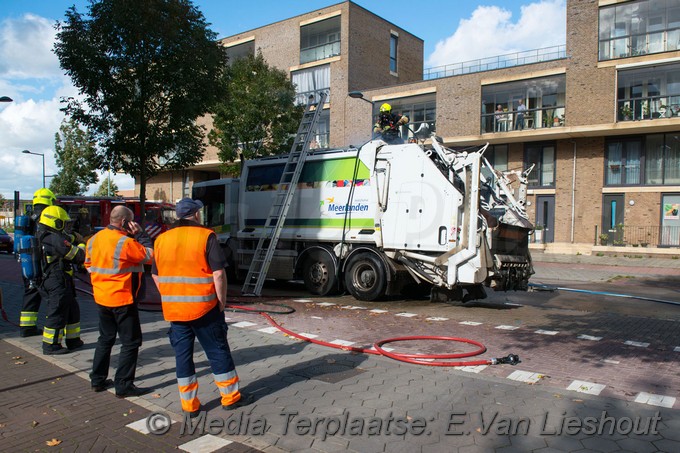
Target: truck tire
(319, 273)
(365, 277)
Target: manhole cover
(328, 372)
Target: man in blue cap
(189, 273)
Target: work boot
(54, 349)
(72, 345)
(30, 331)
(132, 390)
(245, 400)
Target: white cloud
(30, 74)
(490, 31)
(26, 48)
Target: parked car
(6, 242)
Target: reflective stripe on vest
(185, 278)
(111, 269)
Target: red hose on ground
(418, 359)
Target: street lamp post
(43, 163)
(358, 95)
(6, 99)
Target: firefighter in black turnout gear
(28, 319)
(388, 125)
(60, 255)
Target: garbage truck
(381, 220)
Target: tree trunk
(242, 163)
(142, 195)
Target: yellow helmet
(44, 196)
(54, 217)
(385, 108)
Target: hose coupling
(511, 359)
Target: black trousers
(63, 311)
(123, 322)
(29, 307)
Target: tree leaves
(259, 116)
(106, 188)
(76, 158)
(146, 71)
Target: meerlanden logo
(330, 207)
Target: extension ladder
(271, 231)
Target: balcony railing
(640, 44)
(533, 119)
(319, 52)
(648, 108)
(497, 62)
(642, 236)
(302, 98)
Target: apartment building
(337, 49)
(601, 126)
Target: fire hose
(377, 349)
(417, 359)
(544, 287)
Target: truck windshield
(213, 202)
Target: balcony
(639, 44)
(648, 108)
(506, 121)
(497, 62)
(321, 52)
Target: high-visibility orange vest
(112, 258)
(184, 276)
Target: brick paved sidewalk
(311, 383)
(47, 402)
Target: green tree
(258, 117)
(145, 70)
(107, 188)
(76, 158)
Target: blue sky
(453, 31)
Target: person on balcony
(519, 117)
(501, 119)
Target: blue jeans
(211, 331)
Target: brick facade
(590, 108)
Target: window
(623, 162)
(648, 93)
(544, 99)
(186, 190)
(638, 28)
(394, 42)
(649, 160)
(320, 40)
(542, 156)
(315, 174)
(240, 50)
(497, 155)
(310, 81)
(421, 112)
(321, 136)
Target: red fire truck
(90, 214)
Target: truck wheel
(319, 274)
(365, 277)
